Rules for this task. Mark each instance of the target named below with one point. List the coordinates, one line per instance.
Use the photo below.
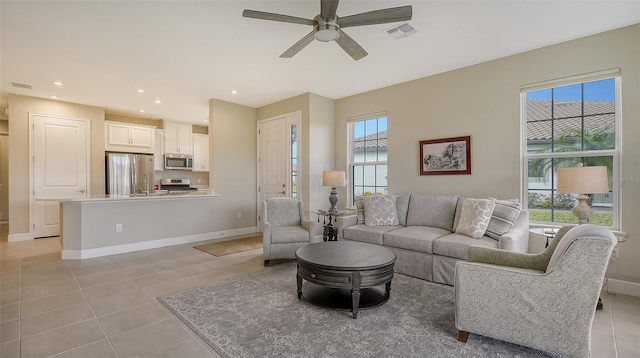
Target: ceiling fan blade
(276, 17)
(395, 14)
(298, 46)
(350, 46)
(328, 8)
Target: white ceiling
(187, 52)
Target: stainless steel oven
(178, 161)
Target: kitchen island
(106, 225)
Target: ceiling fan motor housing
(326, 29)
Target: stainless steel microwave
(178, 161)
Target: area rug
(227, 247)
(259, 315)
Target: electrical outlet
(239, 216)
(615, 255)
(118, 227)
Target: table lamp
(333, 178)
(583, 180)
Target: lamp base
(582, 211)
(333, 199)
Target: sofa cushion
(432, 210)
(457, 245)
(369, 234)
(414, 238)
(380, 210)
(285, 234)
(402, 208)
(474, 217)
(503, 217)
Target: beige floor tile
(9, 312)
(109, 289)
(48, 303)
(124, 321)
(54, 288)
(211, 277)
(190, 348)
(627, 348)
(9, 276)
(194, 270)
(120, 302)
(167, 288)
(101, 267)
(44, 267)
(45, 321)
(156, 278)
(10, 349)
(9, 330)
(9, 297)
(9, 285)
(602, 345)
(136, 271)
(149, 339)
(627, 327)
(602, 321)
(100, 349)
(31, 280)
(181, 262)
(101, 278)
(61, 339)
(52, 257)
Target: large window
(567, 125)
(368, 156)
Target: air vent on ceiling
(21, 85)
(403, 30)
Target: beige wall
(135, 120)
(19, 109)
(483, 101)
(232, 146)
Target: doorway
(279, 159)
(59, 168)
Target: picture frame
(446, 156)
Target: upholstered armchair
(545, 301)
(285, 230)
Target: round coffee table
(345, 275)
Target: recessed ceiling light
(234, 92)
(54, 97)
(57, 83)
(157, 101)
(140, 90)
(141, 110)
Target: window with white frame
(368, 156)
(569, 123)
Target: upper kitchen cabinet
(177, 137)
(125, 137)
(158, 153)
(200, 153)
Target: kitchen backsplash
(198, 179)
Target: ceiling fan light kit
(328, 27)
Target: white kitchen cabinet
(177, 137)
(158, 153)
(200, 153)
(125, 137)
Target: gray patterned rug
(259, 315)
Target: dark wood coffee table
(345, 275)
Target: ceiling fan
(327, 26)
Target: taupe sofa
(425, 239)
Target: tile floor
(106, 307)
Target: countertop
(154, 196)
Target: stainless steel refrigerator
(129, 174)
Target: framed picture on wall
(445, 156)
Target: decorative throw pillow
(474, 217)
(359, 201)
(380, 210)
(503, 217)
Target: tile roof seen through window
(567, 115)
(374, 140)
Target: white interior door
(60, 149)
(272, 161)
(3, 177)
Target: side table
(330, 231)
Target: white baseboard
(153, 244)
(623, 287)
(24, 236)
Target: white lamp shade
(333, 178)
(583, 180)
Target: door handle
(282, 192)
(82, 191)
